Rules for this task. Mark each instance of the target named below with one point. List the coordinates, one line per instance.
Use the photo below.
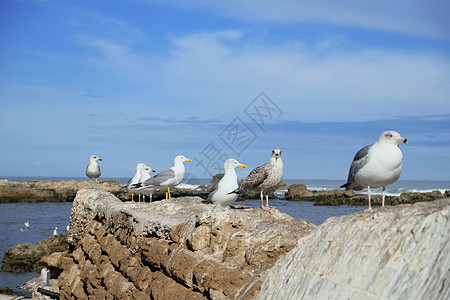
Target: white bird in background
(221, 191)
(35, 283)
(265, 178)
(377, 165)
(145, 175)
(93, 169)
(27, 223)
(135, 180)
(55, 231)
(170, 177)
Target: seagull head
(181, 158)
(276, 153)
(231, 163)
(140, 166)
(392, 137)
(147, 170)
(94, 158)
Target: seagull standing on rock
(265, 178)
(35, 283)
(221, 191)
(135, 180)
(170, 177)
(93, 169)
(377, 165)
(145, 175)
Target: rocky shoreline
(65, 191)
(184, 249)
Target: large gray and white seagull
(265, 178)
(220, 191)
(170, 177)
(93, 169)
(377, 165)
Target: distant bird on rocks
(135, 180)
(93, 169)
(35, 283)
(377, 165)
(264, 178)
(55, 231)
(220, 191)
(170, 177)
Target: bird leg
(267, 202)
(139, 198)
(368, 194)
(151, 197)
(132, 197)
(143, 198)
(262, 202)
(383, 196)
(168, 194)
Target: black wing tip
(236, 191)
(345, 185)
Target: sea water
(44, 217)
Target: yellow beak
(242, 165)
(189, 160)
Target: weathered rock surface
(52, 191)
(27, 257)
(170, 249)
(400, 252)
(299, 192)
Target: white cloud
(222, 71)
(423, 18)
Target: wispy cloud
(416, 18)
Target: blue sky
(142, 81)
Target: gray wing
(359, 161)
(255, 178)
(212, 191)
(160, 178)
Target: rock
(418, 197)
(299, 192)
(6, 291)
(52, 191)
(178, 248)
(27, 257)
(336, 197)
(399, 252)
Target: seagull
(93, 169)
(264, 178)
(170, 177)
(135, 180)
(35, 283)
(55, 231)
(220, 191)
(27, 223)
(144, 175)
(377, 165)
